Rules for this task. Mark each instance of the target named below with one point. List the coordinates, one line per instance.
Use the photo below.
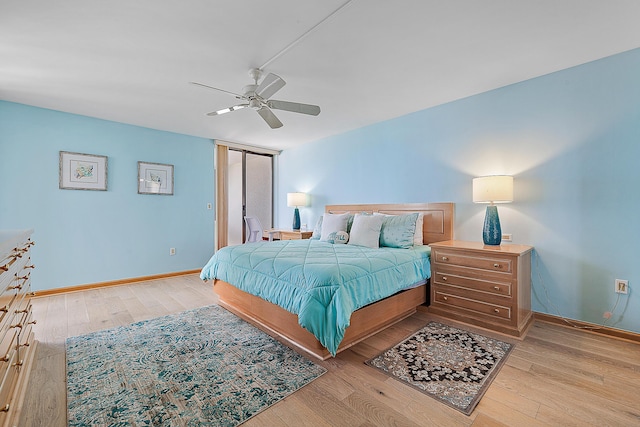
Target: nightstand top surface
(479, 246)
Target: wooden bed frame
(437, 226)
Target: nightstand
(487, 286)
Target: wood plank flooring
(555, 376)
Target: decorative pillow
(338, 237)
(417, 235)
(332, 223)
(398, 230)
(350, 223)
(317, 230)
(366, 230)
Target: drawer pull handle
(495, 310)
(445, 298)
(497, 265)
(5, 409)
(33, 322)
(497, 288)
(29, 266)
(18, 287)
(5, 267)
(5, 308)
(444, 278)
(18, 364)
(445, 258)
(22, 277)
(26, 310)
(5, 358)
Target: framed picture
(155, 178)
(83, 171)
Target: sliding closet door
(235, 199)
(259, 188)
(249, 192)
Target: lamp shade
(296, 199)
(493, 189)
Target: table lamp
(492, 189)
(293, 201)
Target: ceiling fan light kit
(256, 97)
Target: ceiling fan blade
(270, 118)
(295, 107)
(270, 85)
(227, 110)
(237, 95)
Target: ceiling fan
(256, 96)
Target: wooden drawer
(8, 375)
(495, 287)
(295, 235)
(490, 263)
(290, 236)
(473, 305)
(15, 268)
(7, 300)
(26, 334)
(8, 343)
(23, 317)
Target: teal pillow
(398, 230)
(349, 223)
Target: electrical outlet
(172, 251)
(621, 286)
(507, 237)
(209, 206)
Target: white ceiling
(131, 61)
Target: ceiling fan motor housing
(255, 103)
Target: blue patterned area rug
(449, 364)
(203, 367)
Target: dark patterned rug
(447, 363)
(200, 367)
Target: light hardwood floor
(555, 376)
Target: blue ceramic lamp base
(492, 233)
(296, 220)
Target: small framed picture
(155, 178)
(83, 171)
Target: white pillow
(332, 223)
(365, 230)
(417, 236)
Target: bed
(327, 315)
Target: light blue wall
(93, 236)
(571, 139)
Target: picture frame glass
(78, 171)
(155, 178)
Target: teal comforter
(322, 283)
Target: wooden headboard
(438, 217)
